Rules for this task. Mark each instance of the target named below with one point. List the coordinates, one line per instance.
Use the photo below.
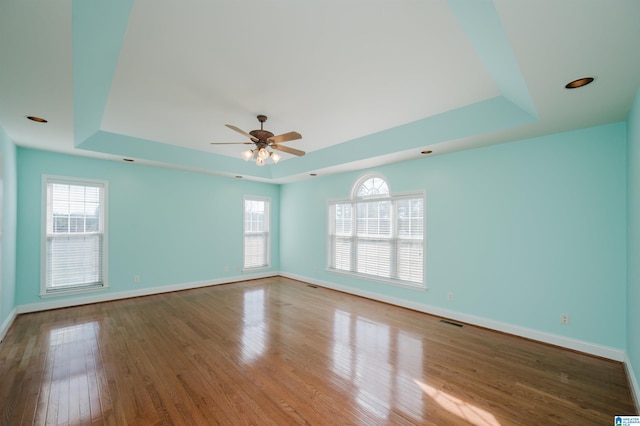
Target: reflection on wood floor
(276, 351)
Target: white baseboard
(147, 291)
(574, 344)
(553, 339)
(635, 388)
(6, 324)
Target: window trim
(267, 200)
(354, 200)
(68, 180)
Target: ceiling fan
(264, 139)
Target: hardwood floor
(276, 352)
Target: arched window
(378, 235)
(370, 186)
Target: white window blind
(378, 235)
(75, 241)
(256, 233)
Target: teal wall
(167, 226)
(633, 291)
(8, 246)
(520, 233)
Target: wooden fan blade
(287, 149)
(242, 132)
(231, 143)
(285, 137)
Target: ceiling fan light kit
(264, 139)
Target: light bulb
(259, 161)
(263, 153)
(275, 157)
(246, 155)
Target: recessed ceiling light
(426, 151)
(128, 160)
(36, 119)
(579, 82)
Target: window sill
(72, 291)
(395, 283)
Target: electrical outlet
(136, 278)
(564, 319)
(450, 296)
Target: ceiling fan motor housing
(262, 135)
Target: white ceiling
(157, 80)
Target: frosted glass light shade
(263, 153)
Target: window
(74, 241)
(256, 233)
(378, 235)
